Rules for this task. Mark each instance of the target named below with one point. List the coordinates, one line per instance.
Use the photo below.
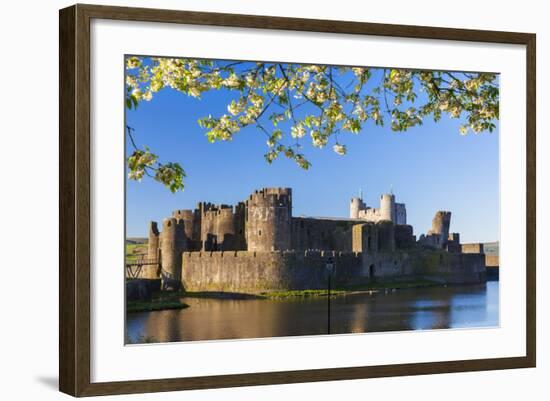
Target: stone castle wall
(492, 260)
(321, 234)
(244, 271)
(253, 272)
(472, 248)
(438, 266)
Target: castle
(389, 210)
(258, 245)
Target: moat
(440, 307)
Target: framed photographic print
(250, 200)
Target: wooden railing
(134, 268)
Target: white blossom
(340, 149)
(298, 131)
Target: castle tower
(387, 207)
(207, 227)
(240, 227)
(153, 243)
(172, 245)
(268, 220)
(386, 235)
(365, 238)
(225, 228)
(190, 226)
(400, 214)
(355, 205)
(151, 271)
(440, 226)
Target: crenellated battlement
(312, 253)
(185, 214)
(271, 196)
(212, 210)
(225, 211)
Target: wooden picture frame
(75, 207)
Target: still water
(408, 309)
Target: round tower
(172, 245)
(189, 226)
(207, 227)
(387, 207)
(225, 228)
(153, 243)
(355, 207)
(440, 225)
(269, 213)
(151, 271)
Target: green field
(135, 250)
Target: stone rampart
(244, 271)
(253, 272)
(472, 248)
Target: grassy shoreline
(173, 300)
(337, 291)
(350, 290)
(154, 305)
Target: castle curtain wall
(255, 272)
(321, 234)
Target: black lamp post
(330, 268)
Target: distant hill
(136, 240)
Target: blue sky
(430, 168)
